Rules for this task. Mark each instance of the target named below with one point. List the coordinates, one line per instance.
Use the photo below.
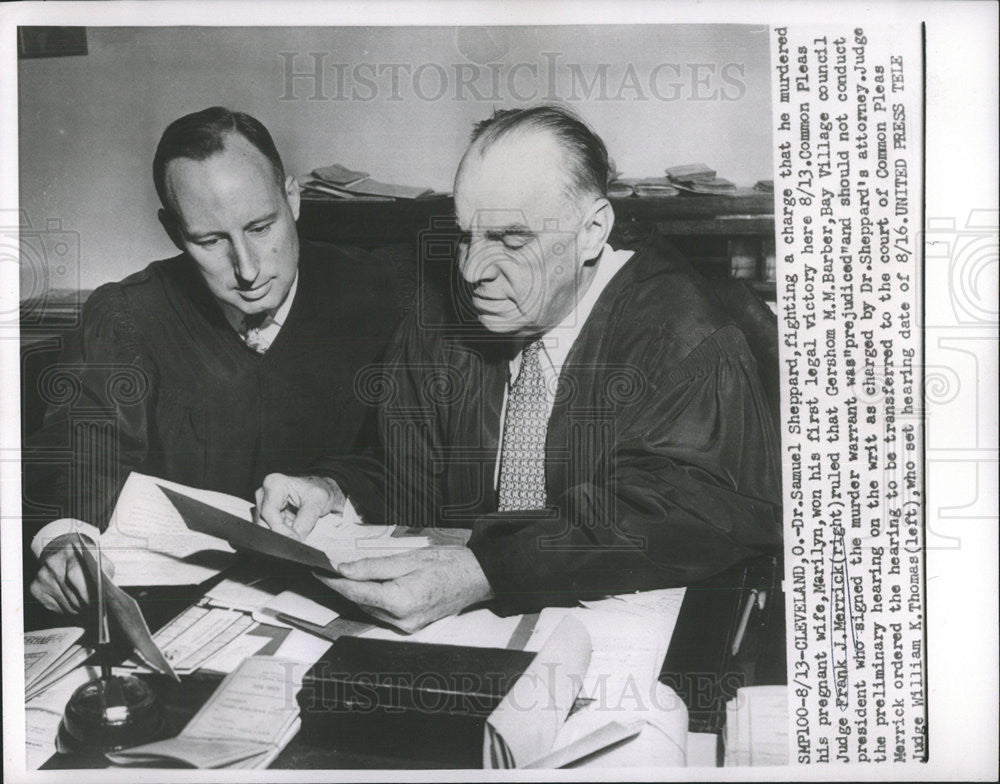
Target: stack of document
(236, 620)
(698, 178)
(339, 182)
(247, 721)
(50, 655)
(757, 726)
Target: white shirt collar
(558, 341)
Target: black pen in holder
(111, 712)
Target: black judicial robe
(662, 458)
(156, 380)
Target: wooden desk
(699, 665)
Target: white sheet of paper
(297, 606)
(344, 538)
(43, 713)
(477, 629)
(148, 541)
(524, 726)
(303, 647)
(630, 635)
(145, 519)
(628, 653)
(231, 656)
(232, 594)
(662, 741)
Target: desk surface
(700, 664)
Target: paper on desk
(659, 736)
(248, 716)
(628, 651)
(259, 640)
(303, 647)
(476, 628)
(126, 613)
(246, 594)
(42, 649)
(296, 606)
(757, 726)
(72, 658)
(524, 726)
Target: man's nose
(245, 264)
(476, 262)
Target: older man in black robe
(601, 429)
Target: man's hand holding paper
(409, 590)
(291, 505)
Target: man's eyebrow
(513, 230)
(270, 217)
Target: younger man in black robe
(235, 359)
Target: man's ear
(292, 194)
(169, 224)
(597, 225)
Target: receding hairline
(249, 149)
(481, 146)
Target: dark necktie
(522, 457)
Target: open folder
(245, 535)
(166, 533)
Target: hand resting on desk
(60, 584)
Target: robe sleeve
(392, 479)
(96, 426)
(689, 487)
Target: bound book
(407, 700)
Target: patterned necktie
(522, 457)
(251, 332)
